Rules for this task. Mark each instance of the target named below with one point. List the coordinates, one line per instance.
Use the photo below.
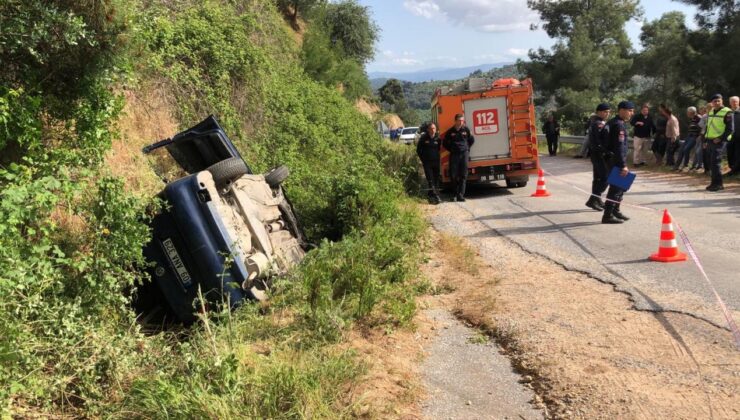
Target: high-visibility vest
(716, 123)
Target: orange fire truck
(501, 117)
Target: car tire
(227, 170)
(276, 176)
(511, 184)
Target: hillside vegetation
(87, 87)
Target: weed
(478, 337)
(462, 257)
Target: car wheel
(227, 169)
(276, 176)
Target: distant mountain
(376, 84)
(419, 94)
(432, 74)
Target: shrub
(71, 237)
(66, 256)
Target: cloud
(490, 57)
(444, 59)
(394, 60)
(517, 52)
(483, 15)
(407, 62)
(425, 8)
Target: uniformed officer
(428, 151)
(458, 140)
(616, 151)
(596, 135)
(719, 127)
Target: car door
(199, 147)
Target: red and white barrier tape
(697, 261)
(689, 248)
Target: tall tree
(336, 45)
(718, 41)
(352, 29)
(668, 61)
(592, 57)
(391, 92)
(295, 8)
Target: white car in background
(409, 135)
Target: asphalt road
(466, 379)
(562, 229)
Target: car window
(410, 130)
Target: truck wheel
(227, 169)
(511, 184)
(276, 176)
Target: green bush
(67, 252)
(71, 237)
(325, 63)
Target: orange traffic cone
(668, 249)
(541, 188)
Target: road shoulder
(585, 351)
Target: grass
(460, 255)
(479, 337)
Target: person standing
(552, 133)
(644, 128)
(659, 142)
(586, 146)
(616, 148)
(699, 152)
(684, 154)
(458, 140)
(672, 132)
(428, 151)
(719, 127)
(598, 160)
(733, 143)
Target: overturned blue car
(222, 233)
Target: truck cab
(501, 117)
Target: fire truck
(500, 115)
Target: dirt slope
(366, 108)
(393, 121)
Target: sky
(425, 34)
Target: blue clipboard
(623, 182)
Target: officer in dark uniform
(616, 151)
(428, 151)
(458, 140)
(596, 136)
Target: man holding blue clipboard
(616, 152)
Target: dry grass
(366, 108)
(459, 254)
(392, 121)
(391, 386)
(147, 117)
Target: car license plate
(176, 262)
